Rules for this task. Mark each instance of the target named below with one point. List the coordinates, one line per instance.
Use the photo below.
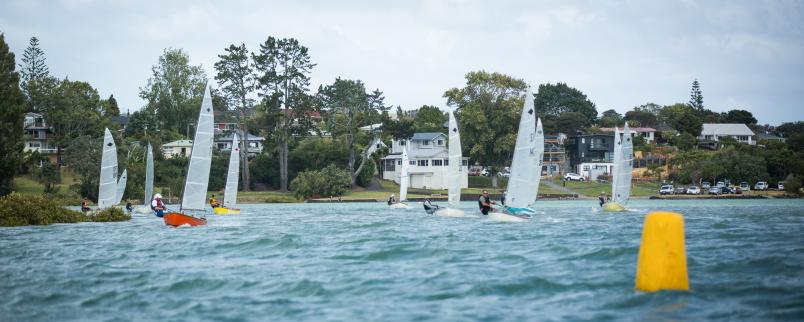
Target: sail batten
(526, 166)
(455, 162)
(107, 188)
(195, 191)
(230, 192)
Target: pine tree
(111, 108)
(12, 112)
(696, 98)
(33, 69)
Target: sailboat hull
(226, 211)
(177, 219)
(449, 212)
(498, 216)
(399, 206)
(613, 207)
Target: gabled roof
(426, 136)
(633, 129)
(726, 129)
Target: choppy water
(365, 262)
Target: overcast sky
(746, 54)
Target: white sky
(746, 54)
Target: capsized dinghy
(197, 180)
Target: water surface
(365, 262)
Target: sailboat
(121, 187)
(454, 169)
(404, 181)
(197, 180)
(230, 192)
(149, 182)
(621, 174)
(107, 188)
(526, 167)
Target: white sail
(404, 176)
(107, 188)
(616, 157)
(121, 187)
(523, 184)
(455, 163)
(230, 192)
(197, 180)
(622, 191)
(149, 176)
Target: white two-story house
(428, 157)
(39, 136)
(738, 131)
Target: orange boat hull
(177, 219)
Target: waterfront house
(713, 132)
(39, 136)
(177, 148)
(647, 133)
(255, 143)
(428, 157)
(591, 154)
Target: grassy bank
(23, 210)
(594, 188)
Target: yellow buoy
(662, 263)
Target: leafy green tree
(644, 118)
(685, 141)
(12, 114)
(559, 99)
(787, 129)
(330, 181)
(649, 107)
(572, 122)
(84, 156)
(400, 129)
(741, 165)
(283, 75)
(141, 123)
(74, 109)
(175, 89)
(682, 118)
(488, 110)
(610, 118)
(793, 184)
(740, 116)
(796, 142)
(235, 75)
(696, 97)
(712, 169)
(350, 107)
(110, 107)
(429, 119)
(49, 175)
(33, 70)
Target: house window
(582, 155)
(465, 162)
(183, 151)
(402, 142)
(253, 145)
(586, 168)
(425, 142)
(437, 162)
(399, 162)
(583, 140)
(412, 162)
(440, 142)
(742, 138)
(423, 163)
(446, 162)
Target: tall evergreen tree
(33, 71)
(236, 78)
(283, 76)
(110, 106)
(696, 98)
(12, 114)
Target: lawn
(594, 188)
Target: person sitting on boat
(602, 198)
(214, 202)
(502, 198)
(129, 207)
(84, 205)
(391, 199)
(484, 202)
(158, 206)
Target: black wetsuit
(602, 200)
(485, 204)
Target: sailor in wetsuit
(484, 202)
(391, 200)
(602, 198)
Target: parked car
(474, 172)
(725, 190)
(714, 191)
(720, 184)
(744, 186)
(680, 190)
(504, 174)
(666, 190)
(573, 177)
(485, 172)
(693, 190)
(762, 185)
(706, 185)
(780, 186)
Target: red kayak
(177, 219)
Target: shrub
(330, 181)
(792, 184)
(366, 174)
(22, 210)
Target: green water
(365, 262)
